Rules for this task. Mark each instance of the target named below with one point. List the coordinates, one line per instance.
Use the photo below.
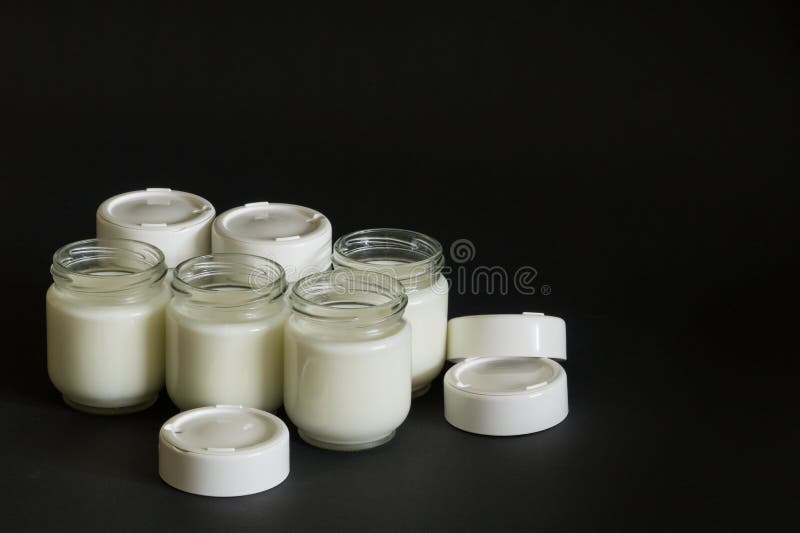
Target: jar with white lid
(347, 359)
(298, 238)
(105, 324)
(177, 222)
(225, 332)
(416, 260)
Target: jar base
(124, 410)
(344, 447)
(420, 391)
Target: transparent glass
(416, 260)
(225, 332)
(347, 359)
(413, 258)
(105, 324)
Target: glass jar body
(105, 325)
(416, 261)
(426, 312)
(225, 357)
(347, 388)
(225, 332)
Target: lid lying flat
(524, 335)
(506, 382)
(179, 223)
(505, 395)
(297, 237)
(223, 451)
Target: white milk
(225, 363)
(225, 332)
(104, 356)
(427, 313)
(346, 393)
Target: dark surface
(638, 158)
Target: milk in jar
(225, 332)
(105, 325)
(347, 359)
(416, 260)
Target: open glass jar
(105, 324)
(416, 260)
(347, 359)
(225, 332)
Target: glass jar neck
(118, 269)
(229, 281)
(349, 298)
(413, 258)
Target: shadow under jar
(347, 359)
(105, 325)
(225, 332)
(416, 260)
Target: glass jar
(105, 324)
(348, 359)
(416, 260)
(225, 332)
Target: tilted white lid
(224, 450)
(156, 209)
(524, 335)
(506, 382)
(298, 238)
(177, 222)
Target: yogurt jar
(177, 222)
(105, 324)
(225, 332)
(416, 260)
(347, 375)
(296, 237)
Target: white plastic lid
(223, 451)
(523, 335)
(298, 238)
(179, 223)
(505, 383)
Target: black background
(638, 157)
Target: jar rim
(229, 279)
(409, 256)
(348, 295)
(144, 265)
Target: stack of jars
(244, 309)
